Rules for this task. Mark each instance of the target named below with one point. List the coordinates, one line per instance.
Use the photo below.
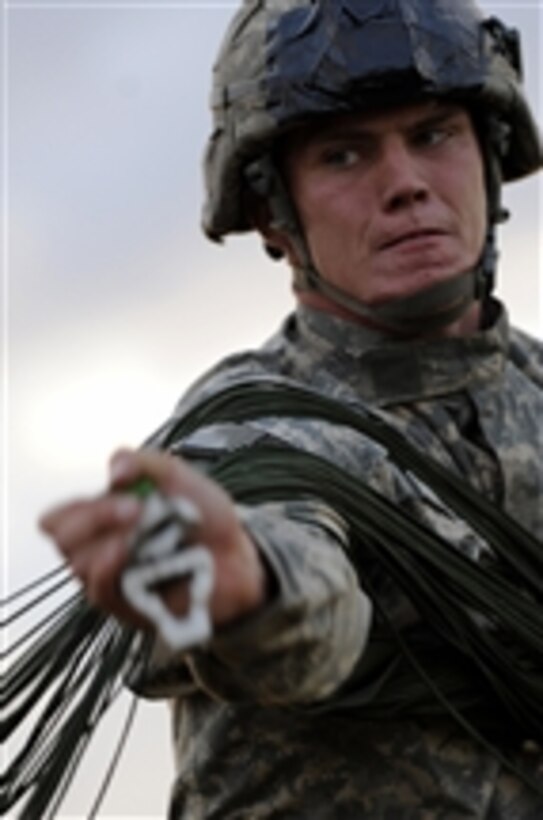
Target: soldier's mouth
(412, 237)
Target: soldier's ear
(277, 244)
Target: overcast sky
(113, 300)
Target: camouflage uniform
(276, 717)
(263, 725)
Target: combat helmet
(283, 62)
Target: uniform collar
(389, 371)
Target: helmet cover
(285, 61)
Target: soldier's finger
(100, 570)
(169, 473)
(49, 520)
(77, 525)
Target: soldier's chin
(409, 284)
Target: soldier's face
(390, 202)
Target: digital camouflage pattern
(283, 61)
(264, 723)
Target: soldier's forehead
(408, 114)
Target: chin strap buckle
(161, 555)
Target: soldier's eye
(341, 157)
(432, 137)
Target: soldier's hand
(94, 536)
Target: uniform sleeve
(305, 642)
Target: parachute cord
(38, 582)
(447, 704)
(112, 768)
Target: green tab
(143, 487)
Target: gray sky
(113, 300)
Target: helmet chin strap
(426, 310)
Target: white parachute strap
(161, 554)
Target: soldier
(367, 142)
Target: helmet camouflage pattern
(284, 61)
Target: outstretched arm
(289, 618)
